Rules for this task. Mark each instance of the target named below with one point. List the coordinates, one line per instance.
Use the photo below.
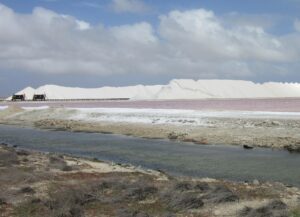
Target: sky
(89, 43)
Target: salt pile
(176, 89)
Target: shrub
(184, 201)
(183, 186)
(27, 190)
(29, 209)
(275, 208)
(141, 193)
(57, 162)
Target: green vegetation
(295, 212)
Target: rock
(247, 147)
(255, 182)
(293, 148)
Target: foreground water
(181, 159)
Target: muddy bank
(39, 184)
(260, 132)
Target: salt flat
(276, 129)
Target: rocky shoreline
(48, 184)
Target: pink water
(275, 105)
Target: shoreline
(197, 135)
(74, 178)
(270, 132)
(163, 154)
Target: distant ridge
(176, 89)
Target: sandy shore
(41, 184)
(268, 131)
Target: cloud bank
(193, 43)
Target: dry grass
(8, 157)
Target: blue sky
(98, 42)
(100, 11)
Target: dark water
(182, 159)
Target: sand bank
(254, 130)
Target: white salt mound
(176, 89)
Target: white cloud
(297, 25)
(192, 43)
(141, 32)
(200, 34)
(82, 25)
(131, 6)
